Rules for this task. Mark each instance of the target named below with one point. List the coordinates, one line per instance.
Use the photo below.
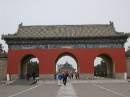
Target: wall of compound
(3, 68)
(85, 58)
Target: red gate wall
(85, 57)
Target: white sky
(54, 12)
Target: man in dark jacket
(65, 75)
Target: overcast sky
(55, 12)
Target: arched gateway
(83, 42)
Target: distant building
(66, 67)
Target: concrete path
(66, 91)
(74, 88)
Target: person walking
(65, 75)
(59, 78)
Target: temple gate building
(82, 42)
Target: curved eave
(88, 37)
(128, 34)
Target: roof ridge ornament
(111, 23)
(21, 24)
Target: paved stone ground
(66, 91)
(111, 88)
(74, 88)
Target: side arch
(106, 68)
(27, 67)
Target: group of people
(72, 75)
(63, 77)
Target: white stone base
(47, 76)
(14, 76)
(120, 75)
(82, 76)
(86, 76)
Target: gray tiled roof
(104, 30)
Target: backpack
(59, 77)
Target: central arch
(66, 62)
